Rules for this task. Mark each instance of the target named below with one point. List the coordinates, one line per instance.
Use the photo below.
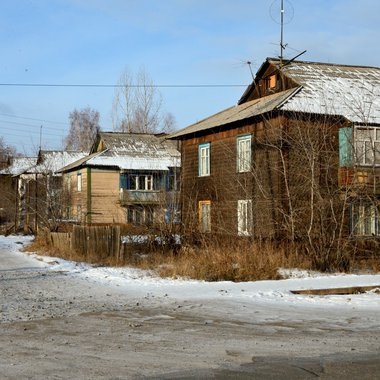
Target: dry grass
(216, 261)
(240, 262)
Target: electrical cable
(121, 85)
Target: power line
(21, 132)
(27, 125)
(121, 85)
(31, 118)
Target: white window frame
(204, 160)
(204, 216)
(79, 181)
(244, 153)
(365, 219)
(244, 217)
(367, 148)
(147, 182)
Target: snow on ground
(60, 318)
(139, 283)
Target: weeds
(240, 262)
(215, 260)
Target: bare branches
(84, 125)
(138, 106)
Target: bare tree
(138, 106)
(6, 151)
(84, 125)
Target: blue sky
(176, 42)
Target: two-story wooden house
(297, 157)
(127, 178)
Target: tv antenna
(285, 18)
(249, 63)
(40, 136)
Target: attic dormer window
(272, 81)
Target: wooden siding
(105, 205)
(98, 200)
(270, 82)
(225, 186)
(282, 176)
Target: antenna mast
(40, 136)
(282, 32)
(249, 63)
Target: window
(79, 181)
(244, 154)
(204, 159)
(244, 217)
(205, 216)
(365, 219)
(272, 81)
(141, 182)
(172, 214)
(148, 182)
(139, 215)
(367, 146)
(172, 180)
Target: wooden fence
(90, 243)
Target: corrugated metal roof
(331, 89)
(327, 89)
(141, 145)
(239, 112)
(53, 161)
(19, 165)
(132, 151)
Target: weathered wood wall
(105, 205)
(94, 243)
(282, 150)
(98, 201)
(225, 186)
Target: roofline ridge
(268, 59)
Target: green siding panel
(345, 147)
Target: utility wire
(121, 85)
(20, 133)
(27, 125)
(31, 118)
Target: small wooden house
(297, 157)
(126, 178)
(35, 188)
(12, 188)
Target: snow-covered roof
(349, 91)
(352, 92)
(19, 165)
(132, 151)
(54, 160)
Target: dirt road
(59, 325)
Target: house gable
(325, 89)
(270, 79)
